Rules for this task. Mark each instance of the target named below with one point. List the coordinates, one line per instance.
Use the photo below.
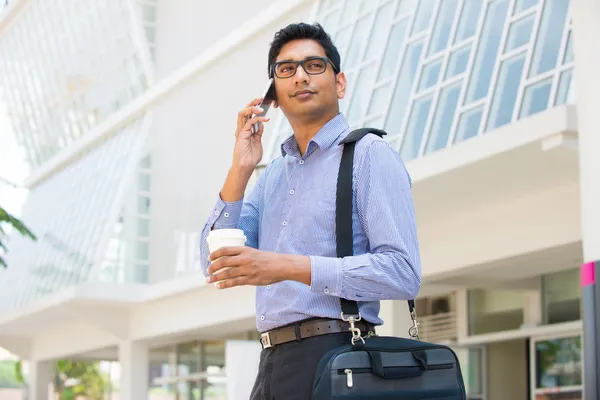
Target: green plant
(7, 219)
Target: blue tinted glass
(468, 125)
(547, 47)
(444, 115)
(379, 99)
(487, 50)
(469, 16)
(506, 92)
(569, 50)
(519, 33)
(564, 86)
(392, 52)
(403, 88)
(442, 27)
(364, 85)
(406, 7)
(423, 17)
(381, 27)
(523, 5)
(458, 62)
(416, 127)
(535, 98)
(430, 74)
(357, 43)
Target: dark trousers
(287, 371)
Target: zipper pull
(348, 373)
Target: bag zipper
(350, 381)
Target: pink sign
(587, 274)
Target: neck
(304, 130)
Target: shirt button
(326, 291)
(216, 212)
(301, 162)
(262, 317)
(226, 215)
(292, 191)
(284, 223)
(268, 286)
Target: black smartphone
(267, 99)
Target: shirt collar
(324, 139)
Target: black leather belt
(304, 330)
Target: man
(289, 220)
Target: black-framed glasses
(312, 66)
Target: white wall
(194, 130)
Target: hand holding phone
(267, 100)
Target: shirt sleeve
(243, 214)
(392, 268)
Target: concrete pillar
(396, 319)
(133, 357)
(41, 376)
(586, 30)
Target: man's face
(304, 95)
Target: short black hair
(301, 31)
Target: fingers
(229, 283)
(227, 251)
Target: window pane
(442, 27)
(144, 182)
(468, 125)
(143, 227)
(561, 297)
(564, 84)
(416, 128)
(547, 46)
(569, 50)
(506, 92)
(358, 40)
(523, 5)
(143, 205)
(487, 50)
(558, 362)
(495, 310)
(142, 251)
(375, 123)
(469, 17)
(535, 98)
(423, 17)
(350, 9)
(380, 99)
(403, 88)
(519, 33)
(406, 7)
(457, 64)
(444, 115)
(392, 52)
(380, 29)
(430, 74)
(364, 85)
(342, 38)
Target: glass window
(569, 51)
(342, 38)
(519, 33)
(423, 17)
(469, 16)
(381, 27)
(468, 125)
(430, 74)
(350, 9)
(143, 227)
(457, 64)
(416, 128)
(495, 310)
(144, 182)
(535, 98)
(523, 5)
(330, 22)
(406, 7)
(558, 363)
(403, 88)
(547, 45)
(564, 85)
(487, 50)
(444, 115)
(374, 123)
(380, 98)
(358, 41)
(561, 297)
(188, 358)
(506, 92)
(392, 52)
(365, 83)
(143, 206)
(442, 27)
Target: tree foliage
(7, 219)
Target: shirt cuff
(227, 214)
(326, 275)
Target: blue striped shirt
(291, 209)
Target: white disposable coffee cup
(219, 238)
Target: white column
(41, 379)
(133, 357)
(586, 31)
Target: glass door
(556, 367)
(473, 361)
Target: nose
(301, 76)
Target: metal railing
(438, 327)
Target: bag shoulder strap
(343, 214)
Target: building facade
(127, 110)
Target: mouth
(302, 94)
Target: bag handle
(343, 227)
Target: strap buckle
(265, 339)
(356, 333)
(413, 331)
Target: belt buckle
(265, 339)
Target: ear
(340, 85)
(275, 104)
